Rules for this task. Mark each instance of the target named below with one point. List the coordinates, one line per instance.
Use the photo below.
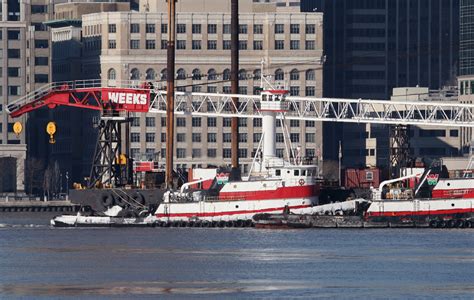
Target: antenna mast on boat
(170, 93)
(234, 76)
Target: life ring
(301, 181)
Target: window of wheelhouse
(303, 172)
(278, 172)
(297, 172)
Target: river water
(37, 261)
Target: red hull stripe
(420, 213)
(280, 193)
(453, 193)
(229, 213)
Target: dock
(37, 206)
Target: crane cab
(274, 100)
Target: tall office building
(24, 66)
(372, 46)
(466, 66)
(132, 46)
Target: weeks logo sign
(135, 101)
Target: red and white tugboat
(272, 184)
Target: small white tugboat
(272, 184)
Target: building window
(41, 78)
(164, 28)
(294, 123)
(454, 133)
(227, 153)
(242, 45)
(226, 29)
(243, 153)
(211, 153)
(163, 137)
(227, 137)
(39, 26)
(279, 28)
(150, 74)
(163, 121)
(135, 121)
(112, 44)
(226, 90)
(196, 122)
(279, 153)
(294, 90)
(14, 90)
(134, 28)
(41, 43)
(135, 137)
(211, 122)
(181, 74)
(150, 137)
(150, 28)
(257, 45)
(164, 44)
(196, 137)
(112, 28)
(211, 28)
(150, 121)
(294, 45)
(310, 91)
(279, 138)
(181, 44)
(211, 74)
(196, 153)
(257, 29)
(181, 28)
(310, 45)
(310, 29)
(38, 9)
(226, 122)
(135, 74)
(310, 75)
(196, 44)
(13, 53)
(41, 61)
(242, 137)
(295, 137)
(226, 74)
(226, 44)
(242, 28)
(294, 28)
(13, 72)
(134, 44)
(309, 137)
(294, 74)
(181, 137)
(242, 74)
(180, 153)
(279, 75)
(196, 28)
(211, 137)
(257, 137)
(13, 34)
(181, 122)
(279, 44)
(111, 74)
(243, 91)
(212, 89)
(257, 122)
(150, 44)
(196, 74)
(211, 45)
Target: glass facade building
(372, 46)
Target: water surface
(38, 261)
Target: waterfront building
(132, 46)
(373, 46)
(24, 66)
(466, 67)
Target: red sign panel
(127, 99)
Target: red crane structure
(113, 104)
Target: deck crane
(114, 98)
